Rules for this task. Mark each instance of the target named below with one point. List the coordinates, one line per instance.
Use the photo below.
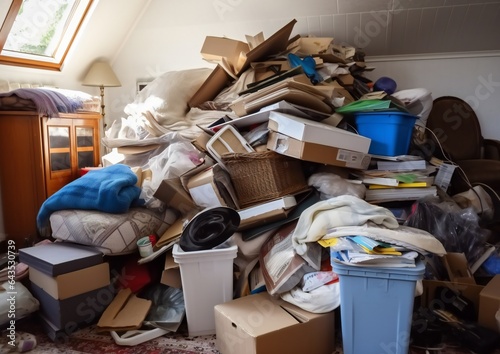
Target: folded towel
(111, 189)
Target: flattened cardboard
(219, 78)
(74, 283)
(172, 233)
(211, 87)
(489, 304)
(126, 312)
(458, 268)
(307, 151)
(171, 274)
(260, 324)
(60, 257)
(173, 194)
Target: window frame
(45, 64)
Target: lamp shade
(101, 74)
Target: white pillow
(112, 234)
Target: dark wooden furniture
(38, 156)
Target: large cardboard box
(489, 304)
(260, 324)
(70, 284)
(308, 151)
(316, 132)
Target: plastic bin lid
(407, 273)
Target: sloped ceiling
(399, 27)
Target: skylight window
(38, 33)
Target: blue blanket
(110, 189)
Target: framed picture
(141, 84)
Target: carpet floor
(89, 341)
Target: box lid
(60, 257)
(276, 314)
(317, 132)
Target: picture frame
(141, 84)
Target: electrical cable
(462, 174)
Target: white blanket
(349, 215)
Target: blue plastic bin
(376, 307)
(390, 132)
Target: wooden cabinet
(38, 156)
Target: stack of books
(398, 181)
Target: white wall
(170, 38)
(475, 79)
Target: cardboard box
(173, 194)
(489, 304)
(430, 300)
(307, 151)
(260, 324)
(71, 284)
(219, 48)
(316, 132)
(458, 268)
(60, 257)
(80, 309)
(212, 188)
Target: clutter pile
(299, 188)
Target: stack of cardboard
(72, 284)
(284, 110)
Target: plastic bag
(177, 158)
(457, 229)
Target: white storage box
(207, 280)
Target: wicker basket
(262, 176)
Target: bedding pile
(111, 190)
(48, 101)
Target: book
(285, 202)
(394, 194)
(402, 165)
(400, 185)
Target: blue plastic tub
(376, 307)
(390, 132)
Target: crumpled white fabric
(406, 236)
(344, 210)
(331, 185)
(324, 299)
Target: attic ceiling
(406, 27)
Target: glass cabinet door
(59, 148)
(85, 146)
